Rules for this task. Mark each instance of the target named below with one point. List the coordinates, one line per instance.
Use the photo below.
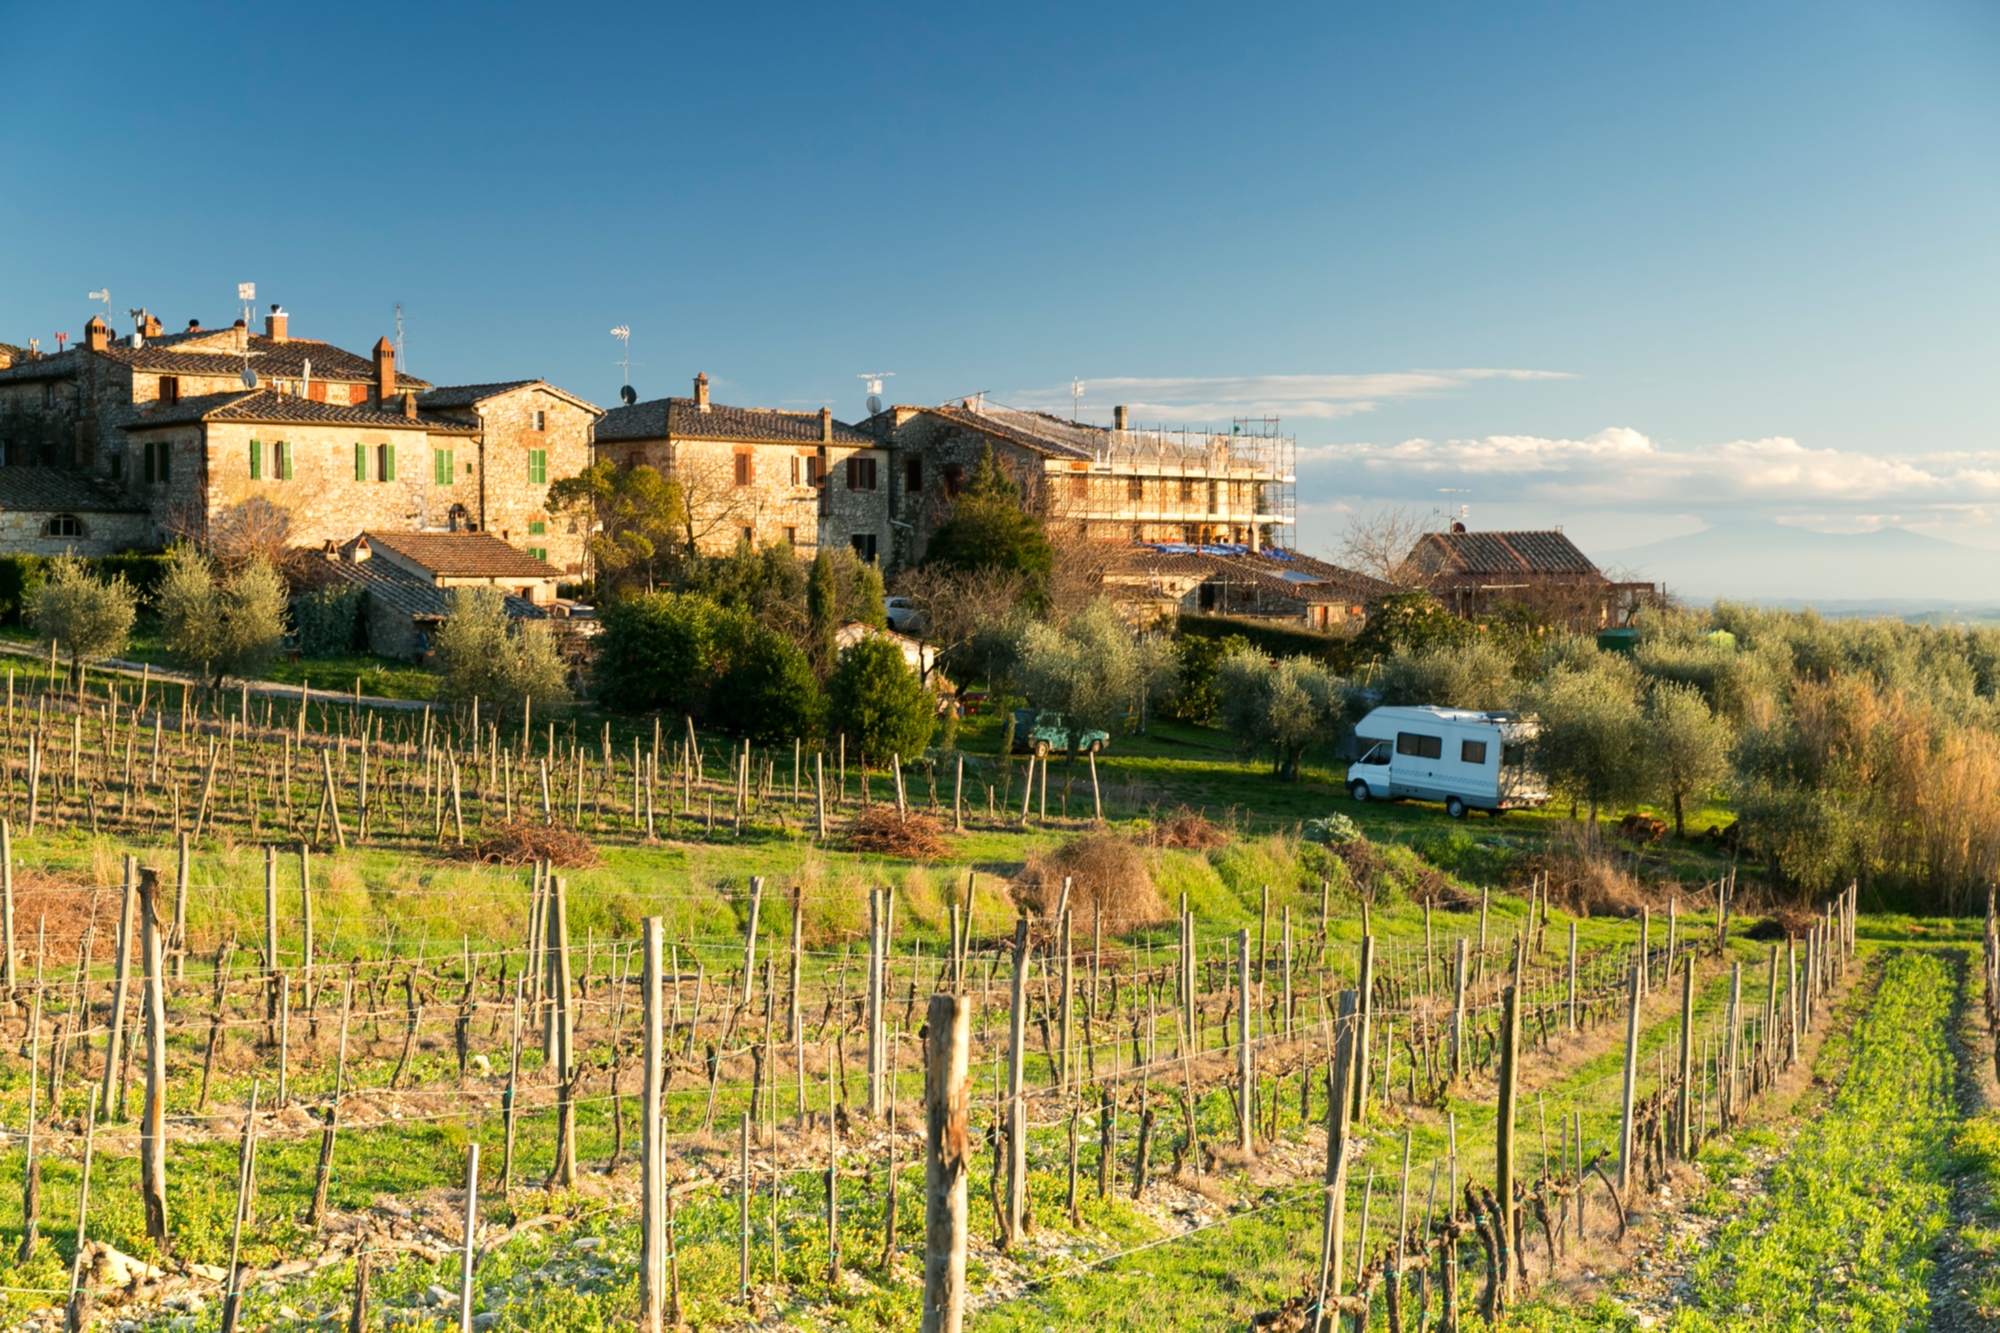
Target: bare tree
(1378, 542)
(713, 508)
(1076, 572)
(956, 604)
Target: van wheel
(1358, 790)
(1454, 807)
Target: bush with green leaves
(991, 527)
(220, 626)
(1094, 670)
(1591, 742)
(657, 651)
(1331, 829)
(79, 613)
(875, 700)
(483, 653)
(1199, 656)
(1474, 673)
(327, 621)
(1688, 745)
(765, 689)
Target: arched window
(63, 525)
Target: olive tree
(1473, 674)
(1689, 746)
(220, 626)
(1093, 670)
(1591, 738)
(1288, 707)
(76, 612)
(484, 653)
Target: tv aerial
(874, 379)
(626, 393)
(104, 296)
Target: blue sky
(1630, 269)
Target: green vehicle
(1036, 732)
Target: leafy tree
(73, 609)
(1690, 746)
(483, 653)
(1093, 670)
(991, 528)
(221, 627)
(1195, 697)
(1472, 673)
(765, 689)
(876, 700)
(767, 583)
(822, 612)
(1289, 707)
(633, 516)
(328, 618)
(1412, 620)
(1591, 739)
(657, 650)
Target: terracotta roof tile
(59, 490)
(679, 418)
(464, 555)
(265, 405)
(269, 358)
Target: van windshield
(1378, 753)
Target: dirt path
(1954, 1278)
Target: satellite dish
(249, 378)
(874, 404)
(629, 394)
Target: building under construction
(1123, 484)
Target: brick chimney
(275, 325)
(96, 335)
(1118, 419)
(385, 372)
(410, 405)
(149, 325)
(701, 392)
(826, 425)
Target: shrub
(1288, 707)
(229, 627)
(767, 690)
(481, 655)
(1199, 657)
(328, 620)
(876, 701)
(1332, 828)
(88, 616)
(657, 651)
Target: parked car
(1468, 760)
(903, 615)
(1036, 732)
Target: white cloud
(1218, 398)
(1622, 467)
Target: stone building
(1478, 573)
(407, 578)
(201, 427)
(759, 474)
(1122, 484)
(47, 511)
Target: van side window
(1472, 752)
(1419, 745)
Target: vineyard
(330, 1015)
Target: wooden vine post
(1503, 1136)
(1629, 1084)
(1364, 986)
(120, 993)
(1339, 1108)
(947, 1160)
(564, 1171)
(1012, 1227)
(1684, 1099)
(1245, 1104)
(153, 1122)
(652, 1171)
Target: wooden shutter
(256, 460)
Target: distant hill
(1892, 571)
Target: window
(1079, 488)
(117, 467)
(443, 466)
(48, 395)
(791, 536)
(1187, 490)
(1472, 752)
(913, 475)
(537, 527)
(538, 467)
(863, 544)
(256, 460)
(63, 525)
(954, 480)
(170, 388)
(746, 468)
(861, 477)
(1419, 746)
(357, 394)
(541, 420)
(1211, 497)
(538, 552)
(747, 535)
(281, 461)
(159, 462)
(1135, 488)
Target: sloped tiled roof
(407, 592)
(1311, 580)
(1032, 430)
(48, 490)
(270, 358)
(682, 420)
(465, 395)
(464, 555)
(1499, 554)
(265, 405)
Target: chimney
(194, 326)
(150, 326)
(1118, 419)
(409, 405)
(96, 335)
(826, 424)
(274, 324)
(701, 393)
(385, 372)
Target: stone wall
(514, 506)
(24, 533)
(947, 453)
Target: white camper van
(1468, 760)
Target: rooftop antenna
(1075, 398)
(104, 296)
(874, 379)
(246, 292)
(626, 393)
(399, 339)
(1464, 510)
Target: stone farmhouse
(758, 474)
(1475, 573)
(189, 431)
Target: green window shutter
(149, 462)
(166, 460)
(361, 462)
(536, 527)
(388, 462)
(538, 466)
(256, 460)
(281, 461)
(538, 553)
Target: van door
(1414, 770)
(1477, 754)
